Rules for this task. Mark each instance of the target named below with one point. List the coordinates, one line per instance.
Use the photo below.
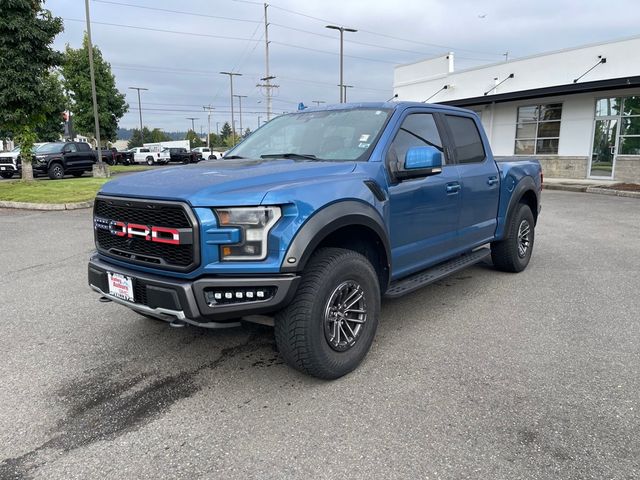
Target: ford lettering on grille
(150, 233)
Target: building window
(538, 129)
(630, 127)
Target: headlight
(39, 158)
(254, 224)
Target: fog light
(238, 295)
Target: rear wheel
(514, 252)
(6, 174)
(56, 171)
(149, 160)
(328, 328)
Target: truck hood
(224, 182)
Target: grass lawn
(68, 190)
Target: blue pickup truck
(311, 221)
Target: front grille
(181, 257)
(140, 292)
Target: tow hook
(177, 324)
(104, 299)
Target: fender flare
(326, 221)
(522, 187)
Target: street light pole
(342, 30)
(209, 108)
(233, 129)
(344, 87)
(240, 97)
(193, 119)
(139, 105)
(318, 102)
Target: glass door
(605, 147)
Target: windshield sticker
(364, 145)
(378, 112)
(364, 137)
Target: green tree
(194, 139)
(27, 31)
(137, 138)
(111, 103)
(156, 135)
(215, 140)
(226, 131)
(51, 127)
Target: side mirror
(421, 162)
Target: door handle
(491, 181)
(453, 187)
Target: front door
(423, 211)
(605, 147)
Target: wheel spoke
(353, 302)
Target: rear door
(423, 211)
(479, 181)
(86, 156)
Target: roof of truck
(380, 105)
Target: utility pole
(318, 102)
(341, 30)
(344, 87)
(218, 128)
(139, 105)
(193, 119)
(259, 117)
(208, 108)
(268, 77)
(101, 170)
(233, 129)
(240, 97)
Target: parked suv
(10, 162)
(59, 158)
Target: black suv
(183, 155)
(60, 158)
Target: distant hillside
(125, 134)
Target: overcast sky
(181, 69)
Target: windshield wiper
(295, 156)
(232, 157)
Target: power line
(324, 20)
(162, 30)
(290, 45)
(180, 12)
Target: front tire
(56, 171)
(514, 252)
(328, 328)
(6, 174)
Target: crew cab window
(71, 147)
(83, 147)
(417, 130)
(468, 144)
(144, 150)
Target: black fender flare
(521, 188)
(326, 221)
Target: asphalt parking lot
(483, 375)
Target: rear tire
(328, 328)
(150, 161)
(514, 252)
(56, 171)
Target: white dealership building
(577, 110)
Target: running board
(435, 273)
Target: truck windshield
(51, 148)
(316, 135)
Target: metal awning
(569, 89)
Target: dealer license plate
(120, 286)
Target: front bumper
(170, 298)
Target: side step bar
(435, 273)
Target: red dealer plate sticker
(120, 286)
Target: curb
(596, 190)
(46, 206)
